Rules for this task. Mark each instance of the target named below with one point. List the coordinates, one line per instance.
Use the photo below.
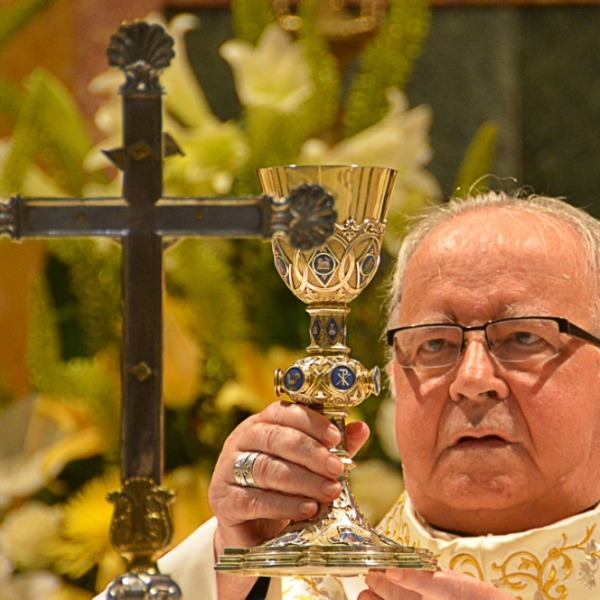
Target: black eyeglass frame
(564, 326)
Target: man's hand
(410, 584)
(294, 472)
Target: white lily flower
(41, 437)
(184, 98)
(399, 141)
(213, 151)
(273, 74)
(26, 586)
(27, 534)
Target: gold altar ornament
(338, 540)
(336, 22)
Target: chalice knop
(338, 540)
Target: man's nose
(477, 373)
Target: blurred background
(455, 95)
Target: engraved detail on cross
(141, 219)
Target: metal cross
(141, 219)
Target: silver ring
(242, 469)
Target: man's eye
(435, 345)
(525, 338)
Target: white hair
(586, 227)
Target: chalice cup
(338, 540)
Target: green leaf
(11, 100)
(14, 17)
(477, 165)
(22, 148)
(250, 17)
(386, 62)
(50, 130)
(61, 123)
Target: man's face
(486, 447)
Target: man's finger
(381, 587)
(357, 433)
(441, 585)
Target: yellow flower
(253, 388)
(85, 529)
(182, 378)
(273, 74)
(190, 508)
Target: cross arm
(307, 216)
(56, 217)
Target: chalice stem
(338, 417)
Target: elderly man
(496, 373)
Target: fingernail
(332, 435)
(307, 507)
(331, 488)
(335, 466)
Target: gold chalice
(338, 540)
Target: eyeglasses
(513, 340)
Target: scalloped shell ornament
(141, 51)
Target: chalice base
(338, 541)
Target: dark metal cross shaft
(141, 219)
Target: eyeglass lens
(511, 340)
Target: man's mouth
(486, 441)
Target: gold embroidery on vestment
(467, 560)
(546, 574)
(549, 575)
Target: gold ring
(242, 469)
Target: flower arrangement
(223, 334)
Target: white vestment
(558, 562)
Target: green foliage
(17, 15)
(250, 17)
(83, 382)
(10, 100)
(94, 270)
(386, 62)
(199, 272)
(478, 161)
(49, 129)
(319, 113)
(275, 316)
